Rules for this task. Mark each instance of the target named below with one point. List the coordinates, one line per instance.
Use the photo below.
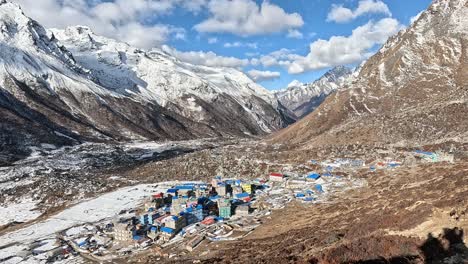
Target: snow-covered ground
(21, 211)
(107, 206)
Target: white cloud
(259, 76)
(341, 14)
(212, 40)
(282, 57)
(339, 50)
(206, 58)
(194, 6)
(239, 44)
(294, 33)
(120, 19)
(246, 18)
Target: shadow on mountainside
(447, 248)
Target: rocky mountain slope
(413, 91)
(302, 98)
(98, 89)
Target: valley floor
(413, 213)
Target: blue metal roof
(319, 188)
(184, 187)
(242, 195)
(167, 230)
(424, 152)
(314, 176)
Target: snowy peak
(295, 83)
(119, 66)
(75, 85)
(304, 98)
(20, 34)
(337, 73)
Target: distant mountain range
(302, 98)
(67, 86)
(414, 91)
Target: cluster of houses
(184, 214)
(166, 214)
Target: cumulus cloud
(206, 58)
(120, 19)
(246, 18)
(341, 14)
(339, 50)
(294, 33)
(259, 76)
(282, 57)
(239, 44)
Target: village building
(123, 232)
(176, 222)
(221, 189)
(172, 192)
(153, 233)
(277, 177)
(194, 242)
(194, 214)
(293, 184)
(167, 233)
(224, 208)
(178, 205)
(185, 190)
(237, 190)
(247, 187)
(243, 210)
(313, 176)
(245, 197)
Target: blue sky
(275, 42)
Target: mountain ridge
(41, 77)
(412, 92)
(302, 98)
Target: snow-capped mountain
(304, 98)
(414, 91)
(155, 76)
(92, 88)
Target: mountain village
(175, 152)
(181, 217)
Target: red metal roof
(276, 174)
(158, 195)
